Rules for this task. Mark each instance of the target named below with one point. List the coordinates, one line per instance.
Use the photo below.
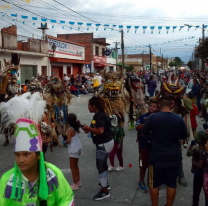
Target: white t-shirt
(66, 78)
(99, 78)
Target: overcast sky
(119, 12)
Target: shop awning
(99, 65)
(62, 60)
(111, 65)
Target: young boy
(144, 145)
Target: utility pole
(43, 28)
(162, 61)
(116, 47)
(122, 49)
(150, 57)
(195, 57)
(202, 41)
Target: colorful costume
(51, 186)
(137, 105)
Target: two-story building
(94, 50)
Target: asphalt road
(123, 184)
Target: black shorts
(158, 176)
(143, 158)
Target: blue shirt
(166, 129)
(195, 89)
(144, 142)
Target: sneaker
(142, 187)
(6, 142)
(182, 181)
(185, 145)
(119, 169)
(110, 168)
(108, 187)
(74, 186)
(101, 195)
(79, 184)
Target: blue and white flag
(79, 25)
(24, 18)
(205, 27)
(136, 28)
(97, 26)
(53, 22)
(174, 27)
(34, 19)
(181, 27)
(88, 26)
(2, 14)
(113, 27)
(196, 28)
(167, 29)
(152, 29)
(62, 23)
(120, 27)
(106, 26)
(14, 16)
(144, 29)
(71, 24)
(128, 28)
(159, 29)
(43, 21)
(189, 27)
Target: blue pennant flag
(136, 28)
(34, 19)
(97, 26)
(53, 22)
(159, 28)
(88, 26)
(62, 22)
(152, 29)
(144, 29)
(167, 28)
(24, 18)
(2, 14)
(106, 26)
(79, 25)
(181, 27)
(43, 21)
(128, 28)
(114, 26)
(14, 16)
(120, 27)
(189, 27)
(174, 27)
(71, 23)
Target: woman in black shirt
(103, 139)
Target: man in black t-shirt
(166, 129)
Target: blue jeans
(198, 104)
(151, 93)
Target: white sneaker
(110, 168)
(185, 145)
(119, 169)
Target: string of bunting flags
(164, 43)
(112, 27)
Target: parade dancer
(32, 181)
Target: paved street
(123, 185)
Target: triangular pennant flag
(43, 21)
(205, 26)
(136, 28)
(71, 23)
(167, 29)
(196, 28)
(63, 23)
(2, 14)
(34, 19)
(24, 18)
(144, 29)
(152, 29)
(88, 26)
(120, 27)
(174, 27)
(53, 22)
(128, 28)
(8, 6)
(181, 27)
(97, 26)
(2, 7)
(189, 27)
(106, 26)
(114, 26)
(14, 16)
(159, 29)
(79, 25)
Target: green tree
(129, 68)
(190, 64)
(172, 64)
(202, 49)
(178, 61)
